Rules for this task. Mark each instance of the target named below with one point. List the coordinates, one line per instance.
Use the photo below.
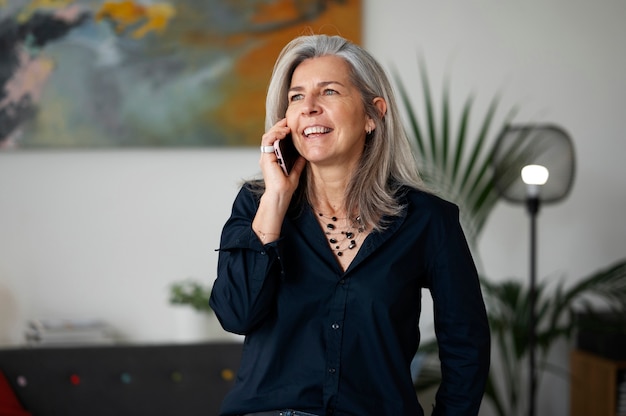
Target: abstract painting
(95, 73)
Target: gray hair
(388, 163)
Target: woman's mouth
(316, 130)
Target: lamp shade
(533, 161)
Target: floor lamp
(533, 165)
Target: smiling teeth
(316, 130)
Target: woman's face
(326, 113)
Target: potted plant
(194, 320)
(192, 293)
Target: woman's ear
(381, 104)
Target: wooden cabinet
(594, 384)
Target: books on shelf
(62, 332)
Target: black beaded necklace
(342, 238)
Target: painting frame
(124, 74)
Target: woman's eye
(328, 91)
(295, 97)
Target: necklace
(342, 237)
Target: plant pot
(194, 326)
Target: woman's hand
(275, 180)
(279, 188)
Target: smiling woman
(322, 269)
(326, 114)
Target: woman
(322, 269)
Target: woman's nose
(310, 105)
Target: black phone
(286, 153)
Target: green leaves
(192, 293)
(508, 311)
(454, 164)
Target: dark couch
(134, 380)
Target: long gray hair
(387, 163)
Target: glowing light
(534, 176)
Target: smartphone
(286, 153)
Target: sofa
(120, 380)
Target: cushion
(9, 404)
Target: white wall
(103, 233)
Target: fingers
(272, 172)
(277, 132)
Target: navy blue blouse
(340, 343)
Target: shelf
(594, 384)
